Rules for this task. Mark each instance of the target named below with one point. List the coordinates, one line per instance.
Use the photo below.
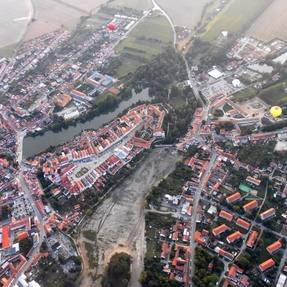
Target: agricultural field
(134, 4)
(184, 12)
(271, 24)
(236, 17)
(148, 39)
(14, 18)
(49, 16)
(273, 95)
(90, 5)
(86, 5)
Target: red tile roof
(198, 237)
(252, 239)
(226, 215)
(6, 243)
(233, 237)
(267, 214)
(266, 265)
(272, 248)
(253, 180)
(234, 197)
(243, 223)
(250, 205)
(219, 229)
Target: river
(35, 145)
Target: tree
(118, 271)
(243, 261)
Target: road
(28, 195)
(156, 6)
(196, 200)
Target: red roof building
(243, 223)
(248, 207)
(224, 253)
(272, 248)
(252, 239)
(266, 265)
(6, 242)
(219, 229)
(267, 214)
(198, 238)
(234, 197)
(253, 180)
(226, 215)
(233, 237)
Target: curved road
(156, 6)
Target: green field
(244, 95)
(237, 16)
(274, 95)
(149, 38)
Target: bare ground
(119, 221)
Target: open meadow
(236, 17)
(149, 38)
(271, 24)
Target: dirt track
(119, 221)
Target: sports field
(148, 39)
(236, 17)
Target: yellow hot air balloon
(276, 111)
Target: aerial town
(188, 184)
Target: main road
(38, 215)
(28, 195)
(196, 201)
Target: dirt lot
(184, 12)
(272, 23)
(119, 221)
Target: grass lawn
(149, 38)
(235, 18)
